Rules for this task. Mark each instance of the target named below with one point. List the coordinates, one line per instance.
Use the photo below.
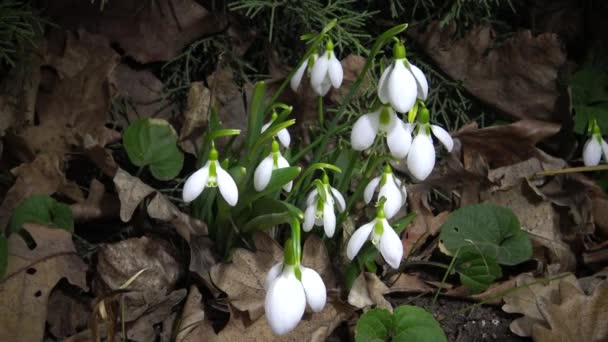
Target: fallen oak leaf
(31, 275)
(192, 325)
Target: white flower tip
(316, 293)
(443, 136)
(262, 174)
(592, 152)
(336, 74)
(364, 132)
(402, 88)
(195, 184)
(285, 303)
(227, 186)
(358, 239)
(391, 246)
(421, 158)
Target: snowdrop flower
(421, 157)
(401, 82)
(382, 236)
(320, 208)
(595, 146)
(283, 134)
(296, 79)
(326, 72)
(263, 172)
(391, 189)
(384, 122)
(211, 175)
(289, 287)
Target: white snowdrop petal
(402, 88)
(403, 190)
(358, 239)
(421, 158)
(336, 74)
(285, 303)
(592, 152)
(399, 140)
(309, 217)
(265, 126)
(319, 70)
(195, 184)
(284, 137)
(383, 85)
(322, 88)
(227, 186)
(297, 76)
(262, 174)
(605, 149)
(421, 81)
(283, 163)
(272, 274)
(340, 202)
(390, 246)
(444, 137)
(312, 197)
(314, 287)
(370, 188)
(329, 220)
(394, 198)
(364, 131)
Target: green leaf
(374, 325)
(415, 324)
(477, 272)
(267, 221)
(153, 143)
(42, 209)
(488, 229)
(3, 255)
(584, 113)
(589, 85)
(279, 178)
(256, 114)
(403, 222)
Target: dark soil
(481, 323)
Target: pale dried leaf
(192, 325)
(131, 191)
(30, 277)
(67, 314)
(315, 256)
(196, 116)
(98, 204)
(408, 283)
(368, 290)
(162, 209)
(142, 330)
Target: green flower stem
(445, 276)
(320, 109)
(312, 168)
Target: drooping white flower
(382, 235)
(402, 82)
(320, 209)
(211, 175)
(391, 188)
(595, 146)
(326, 72)
(283, 134)
(383, 122)
(263, 172)
(296, 79)
(287, 296)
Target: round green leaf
(374, 325)
(477, 272)
(153, 143)
(488, 229)
(412, 323)
(42, 209)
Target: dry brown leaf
(525, 299)
(192, 325)
(162, 209)
(425, 224)
(408, 283)
(67, 314)
(315, 256)
(352, 66)
(131, 191)
(147, 31)
(519, 77)
(507, 144)
(202, 259)
(576, 317)
(43, 176)
(143, 330)
(243, 279)
(30, 277)
(120, 261)
(73, 103)
(368, 290)
(196, 116)
(98, 204)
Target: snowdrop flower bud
(326, 72)
(382, 122)
(421, 157)
(283, 134)
(263, 172)
(211, 175)
(401, 82)
(289, 287)
(595, 146)
(382, 236)
(320, 208)
(296, 79)
(391, 189)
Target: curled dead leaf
(196, 116)
(368, 290)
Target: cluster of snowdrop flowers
(325, 71)
(595, 146)
(263, 173)
(382, 235)
(320, 207)
(211, 175)
(289, 287)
